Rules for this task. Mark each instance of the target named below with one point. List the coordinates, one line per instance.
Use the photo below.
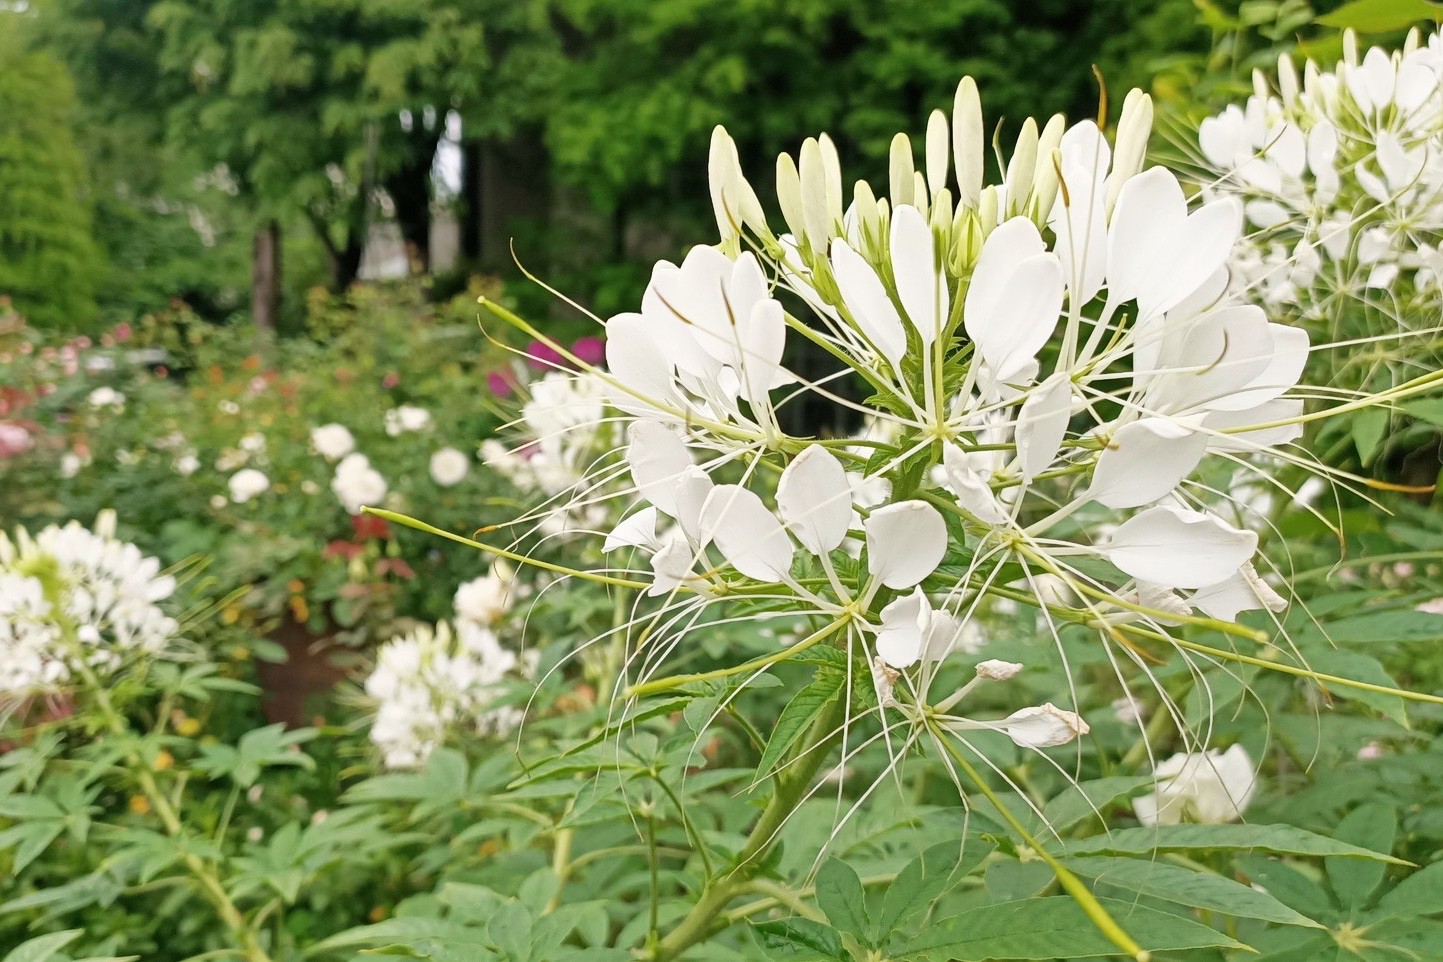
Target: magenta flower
(543, 357)
(589, 350)
(501, 383)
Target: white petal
(657, 458)
(921, 288)
(746, 533)
(690, 493)
(1179, 548)
(899, 640)
(1011, 243)
(1043, 726)
(1145, 460)
(1282, 409)
(637, 360)
(1010, 330)
(867, 301)
(1285, 365)
(994, 669)
(671, 565)
(814, 498)
(637, 531)
(906, 542)
(1042, 424)
(971, 489)
(1244, 591)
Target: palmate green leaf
(443, 780)
(797, 718)
(1419, 894)
(1382, 16)
(1053, 928)
(1185, 886)
(1373, 826)
(1284, 839)
(924, 880)
(29, 840)
(841, 897)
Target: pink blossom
(501, 383)
(390, 380)
(14, 440)
(542, 356)
(122, 332)
(589, 350)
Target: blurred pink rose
(543, 357)
(13, 440)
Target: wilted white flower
(449, 467)
(995, 670)
(407, 419)
(73, 597)
(1209, 787)
(332, 441)
(1043, 726)
(357, 484)
(246, 484)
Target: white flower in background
(228, 407)
(1342, 175)
(436, 681)
(246, 484)
(253, 443)
(187, 464)
(107, 397)
(218, 501)
(357, 484)
(449, 467)
(1208, 787)
(332, 441)
(486, 599)
(407, 419)
(73, 598)
(71, 463)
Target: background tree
(48, 262)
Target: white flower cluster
(1342, 173)
(437, 680)
(1051, 362)
(562, 423)
(72, 598)
(357, 484)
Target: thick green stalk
(791, 786)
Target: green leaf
(1288, 885)
(1184, 886)
(1386, 626)
(422, 935)
(1371, 826)
(800, 937)
(1419, 894)
(1083, 800)
(1369, 428)
(797, 718)
(924, 880)
(1428, 409)
(1054, 928)
(1381, 16)
(44, 947)
(1359, 667)
(1286, 839)
(841, 898)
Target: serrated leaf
(1184, 886)
(1054, 928)
(841, 898)
(1285, 839)
(797, 718)
(1374, 826)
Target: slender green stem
(746, 667)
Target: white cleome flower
(449, 467)
(332, 441)
(438, 681)
(75, 600)
(357, 484)
(486, 599)
(1208, 787)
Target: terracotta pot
(295, 690)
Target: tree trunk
(266, 276)
(410, 188)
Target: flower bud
(994, 669)
(789, 196)
(937, 156)
(967, 143)
(900, 170)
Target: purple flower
(501, 383)
(589, 350)
(543, 357)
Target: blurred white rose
(449, 467)
(357, 484)
(407, 418)
(246, 484)
(332, 441)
